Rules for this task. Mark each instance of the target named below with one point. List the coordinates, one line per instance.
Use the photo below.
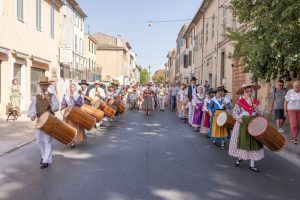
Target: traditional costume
(197, 102)
(242, 145)
(148, 101)
(216, 106)
(41, 103)
(74, 100)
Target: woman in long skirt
(242, 145)
(148, 100)
(206, 118)
(73, 99)
(197, 102)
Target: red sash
(249, 108)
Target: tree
(159, 76)
(269, 44)
(144, 75)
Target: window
(213, 26)
(185, 61)
(222, 73)
(201, 38)
(206, 34)
(89, 45)
(20, 10)
(38, 13)
(80, 47)
(89, 64)
(190, 58)
(234, 27)
(36, 73)
(52, 22)
(224, 15)
(75, 41)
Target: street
(144, 157)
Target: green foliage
(159, 76)
(144, 75)
(269, 43)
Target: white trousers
(161, 102)
(191, 113)
(45, 143)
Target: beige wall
(23, 37)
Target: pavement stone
(14, 135)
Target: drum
(110, 112)
(58, 129)
(82, 118)
(120, 107)
(94, 112)
(266, 134)
(225, 119)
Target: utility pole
(149, 74)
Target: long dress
(243, 145)
(216, 106)
(15, 96)
(148, 101)
(180, 98)
(75, 100)
(197, 114)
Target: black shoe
(44, 165)
(223, 147)
(73, 146)
(254, 169)
(41, 161)
(215, 143)
(237, 162)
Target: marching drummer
(97, 93)
(41, 103)
(73, 99)
(83, 91)
(216, 106)
(242, 145)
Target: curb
(17, 147)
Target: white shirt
(95, 95)
(293, 100)
(32, 108)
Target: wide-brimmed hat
(193, 78)
(44, 80)
(83, 82)
(98, 82)
(211, 90)
(53, 80)
(221, 88)
(245, 85)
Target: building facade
(170, 66)
(72, 60)
(181, 70)
(27, 27)
(115, 57)
(92, 71)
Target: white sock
(251, 163)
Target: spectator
(206, 86)
(292, 108)
(277, 104)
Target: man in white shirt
(41, 103)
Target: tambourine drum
(82, 118)
(58, 129)
(225, 119)
(266, 134)
(94, 112)
(110, 112)
(120, 107)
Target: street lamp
(149, 74)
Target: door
(36, 73)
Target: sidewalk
(14, 135)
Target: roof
(205, 4)
(76, 6)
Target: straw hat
(245, 85)
(44, 80)
(53, 80)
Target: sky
(129, 18)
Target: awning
(40, 60)
(4, 50)
(19, 54)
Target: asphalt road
(140, 157)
